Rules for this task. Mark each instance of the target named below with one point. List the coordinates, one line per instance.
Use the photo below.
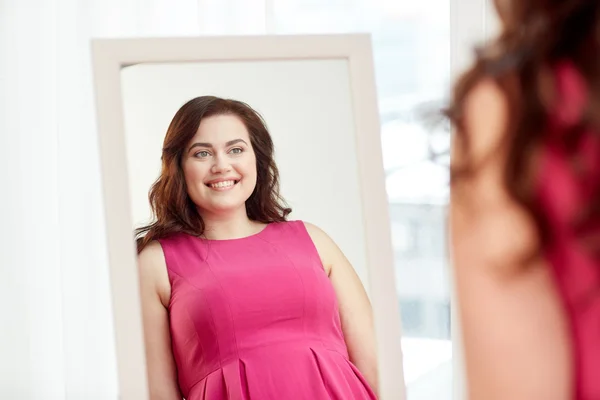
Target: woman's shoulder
(485, 109)
(319, 236)
(151, 260)
(152, 253)
(314, 231)
(152, 270)
(325, 245)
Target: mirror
(317, 97)
(314, 152)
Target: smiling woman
(235, 299)
(213, 145)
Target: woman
(239, 303)
(524, 207)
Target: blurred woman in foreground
(525, 206)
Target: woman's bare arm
(155, 293)
(515, 337)
(355, 309)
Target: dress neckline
(252, 236)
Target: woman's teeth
(223, 184)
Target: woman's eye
(236, 150)
(202, 154)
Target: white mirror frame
(111, 55)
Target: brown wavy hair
(173, 210)
(536, 36)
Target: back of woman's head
(536, 36)
(173, 210)
(546, 30)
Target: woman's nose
(220, 165)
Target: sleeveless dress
(257, 318)
(562, 192)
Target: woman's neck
(230, 226)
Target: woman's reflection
(238, 302)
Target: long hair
(537, 35)
(172, 208)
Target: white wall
(56, 329)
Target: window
(403, 237)
(411, 45)
(412, 317)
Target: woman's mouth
(222, 185)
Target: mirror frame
(111, 55)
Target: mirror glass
(307, 106)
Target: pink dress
(562, 194)
(256, 318)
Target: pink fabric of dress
(256, 318)
(563, 193)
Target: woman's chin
(224, 208)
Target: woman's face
(219, 165)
